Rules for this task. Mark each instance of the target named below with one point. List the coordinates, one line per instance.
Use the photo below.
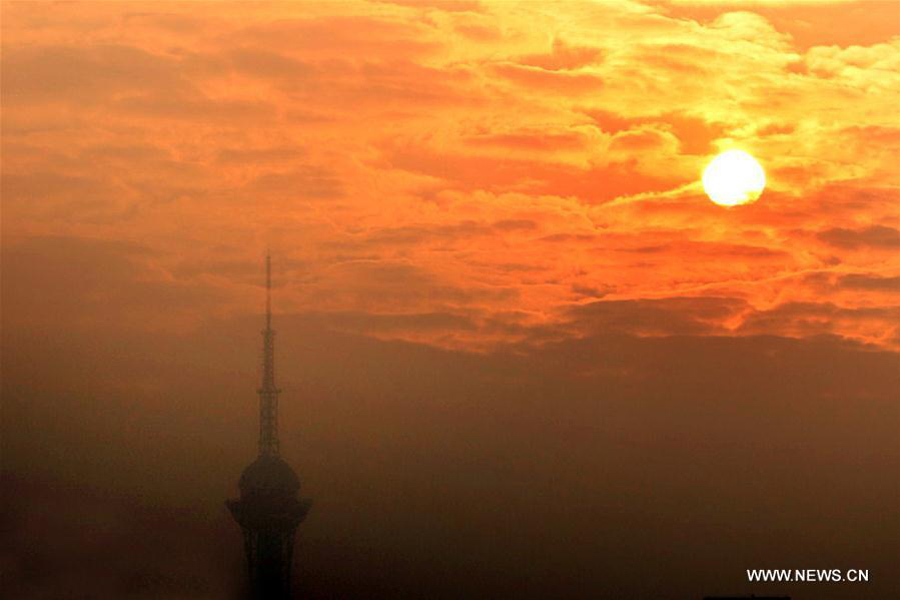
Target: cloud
(192, 108)
(530, 141)
(645, 139)
(669, 316)
(332, 36)
(856, 281)
(264, 155)
(537, 79)
(563, 56)
(305, 181)
(258, 62)
(817, 318)
(82, 283)
(443, 5)
(856, 63)
(84, 73)
(876, 237)
(374, 323)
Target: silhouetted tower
(269, 509)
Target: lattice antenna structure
(268, 391)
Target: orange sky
(514, 336)
(463, 172)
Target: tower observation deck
(269, 509)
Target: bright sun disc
(734, 178)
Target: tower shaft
(269, 509)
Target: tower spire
(269, 509)
(268, 290)
(268, 392)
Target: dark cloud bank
(607, 466)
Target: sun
(734, 178)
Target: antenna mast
(268, 392)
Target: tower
(269, 509)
